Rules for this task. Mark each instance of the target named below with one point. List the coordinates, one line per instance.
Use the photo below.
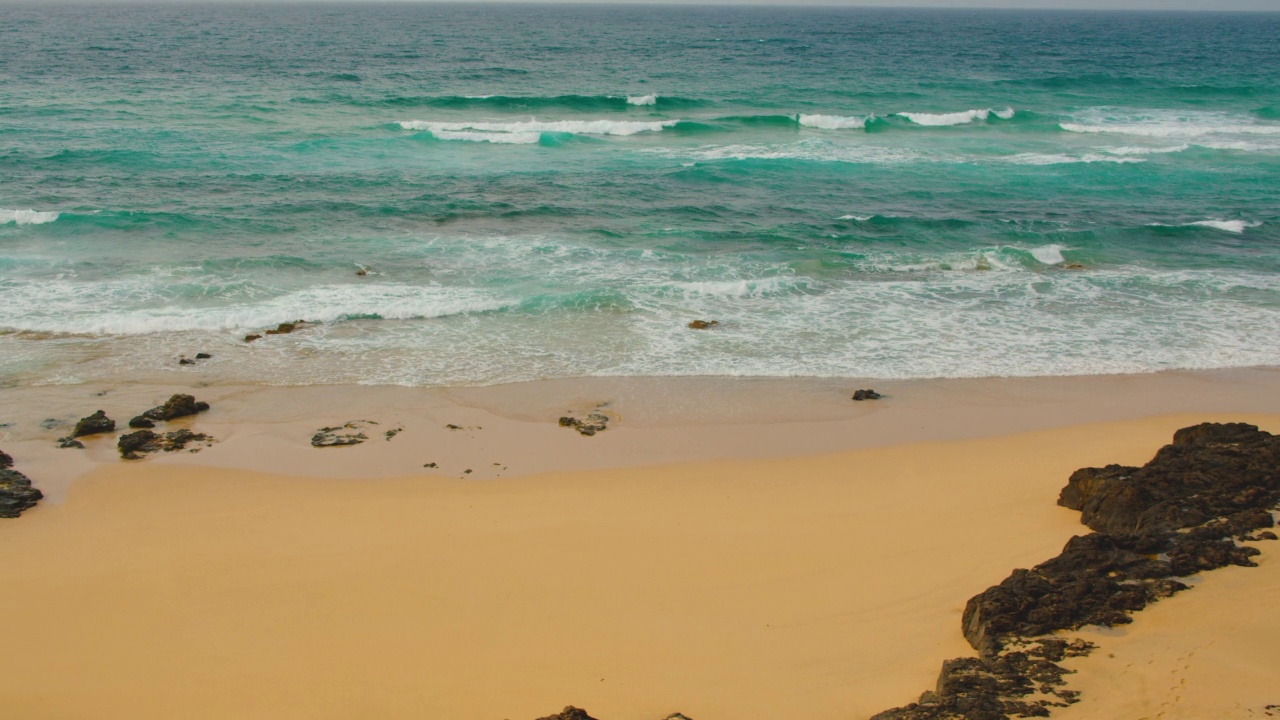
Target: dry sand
(745, 585)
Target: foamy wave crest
(737, 288)
(833, 122)
(512, 138)
(955, 118)
(859, 218)
(26, 217)
(809, 150)
(575, 127)
(1048, 254)
(1231, 226)
(642, 99)
(1064, 159)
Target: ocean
(478, 194)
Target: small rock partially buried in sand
(133, 445)
(592, 424)
(346, 434)
(860, 395)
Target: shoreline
(727, 549)
(653, 420)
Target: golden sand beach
(732, 550)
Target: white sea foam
(1142, 150)
(1175, 124)
(955, 118)
(26, 217)
(859, 218)
(1064, 159)
(642, 99)
(576, 127)
(65, 308)
(1231, 226)
(833, 122)
(811, 150)
(512, 138)
(1048, 254)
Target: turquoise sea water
(556, 191)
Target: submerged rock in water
(16, 492)
(703, 324)
(175, 407)
(251, 337)
(94, 424)
(67, 443)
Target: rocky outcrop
(175, 407)
(16, 492)
(860, 395)
(134, 445)
(1178, 515)
(93, 425)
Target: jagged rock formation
(1180, 514)
(346, 434)
(16, 492)
(175, 407)
(94, 424)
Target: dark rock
(133, 445)
(285, 328)
(67, 443)
(1024, 683)
(861, 395)
(1178, 515)
(430, 465)
(362, 272)
(141, 441)
(451, 426)
(592, 424)
(50, 423)
(703, 324)
(569, 713)
(677, 716)
(1267, 535)
(176, 407)
(16, 492)
(203, 356)
(251, 337)
(1210, 470)
(142, 421)
(393, 432)
(467, 471)
(345, 434)
(94, 424)
(186, 361)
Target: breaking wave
(574, 127)
(26, 217)
(956, 118)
